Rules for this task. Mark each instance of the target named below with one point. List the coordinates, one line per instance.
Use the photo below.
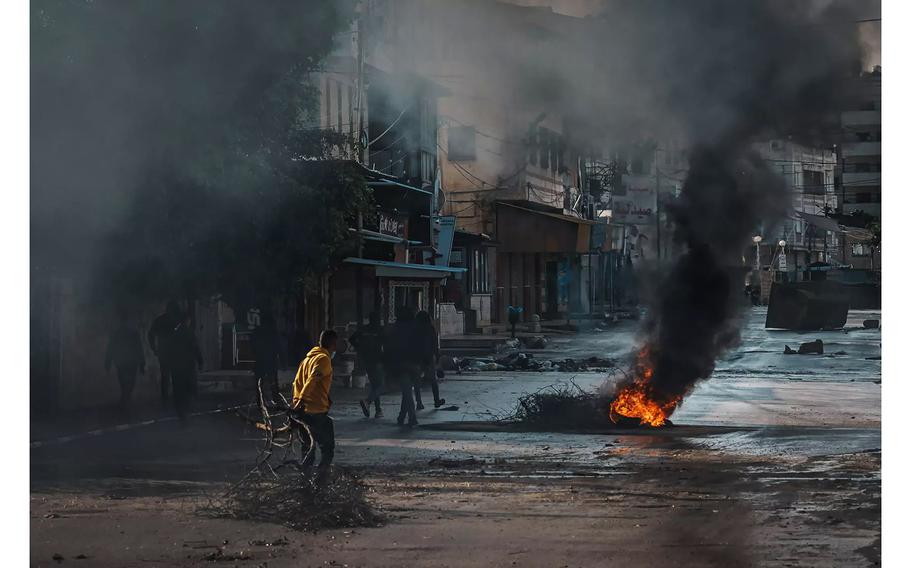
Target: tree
(174, 147)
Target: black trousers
(126, 376)
(376, 375)
(184, 388)
(164, 365)
(408, 376)
(427, 374)
(323, 429)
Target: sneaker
(365, 408)
(378, 414)
(420, 406)
(439, 402)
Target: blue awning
(402, 270)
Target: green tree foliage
(176, 147)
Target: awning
(524, 230)
(824, 223)
(382, 237)
(401, 270)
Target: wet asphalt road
(759, 402)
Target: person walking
(267, 352)
(159, 336)
(427, 345)
(312, 400)
(124, 350)
(185, 358)
(402, 362)
(368, 341)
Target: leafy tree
(176, 148)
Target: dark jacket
(369, 343)
(160, 333)
(184, 351)
(266, 350)
(401, 345)
(427, 343)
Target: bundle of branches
(298, 501)
(560, 406)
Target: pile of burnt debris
(563, 406)
(512, 356)
(527, 362)
(337, 499)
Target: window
(479, 276)
(544, 148)
(338, 105)
(860, 249)
(862, 167)
(462, 143)
(813, 182)
(560, 161)
(328, 103)
(352, 141)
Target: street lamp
(757, 240)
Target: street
(775, 461)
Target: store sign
(639, 204)
(391, 225)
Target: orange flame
(637, 400)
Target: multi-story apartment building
(860, 164)
(810, 237)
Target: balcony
(860, 179)
(874, 209)
(861, 149)
(535, 186)
(856, 118)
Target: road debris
(811, 348)
(297, 501)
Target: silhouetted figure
(368, 341)
(402, 361)
(267, 352)
(427, 345)
(159, 336)
(124, 350)
(185, 358)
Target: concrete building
(860, 165)
(810, 238)
(508, 168)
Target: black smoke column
(729, 190)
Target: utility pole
(364, 156)
(657, 190)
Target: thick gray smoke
(127, 94)
(717, 75)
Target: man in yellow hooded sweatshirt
(312, 401)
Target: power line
(391, 126)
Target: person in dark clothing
(402, 362)
(124, 350)
(368, 341)
(185, 357)
(267, 352)
(427, 345)
(159, 340)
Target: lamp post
(757, 240)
